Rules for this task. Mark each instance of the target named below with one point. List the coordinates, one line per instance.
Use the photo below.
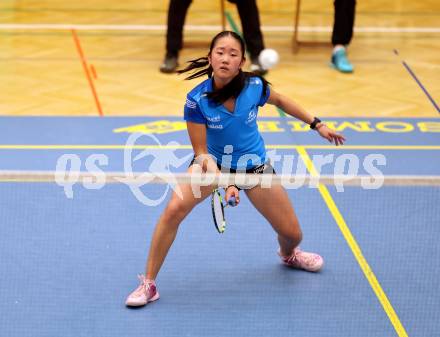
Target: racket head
(218, 211)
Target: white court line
(313, 29)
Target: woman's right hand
(232, 191)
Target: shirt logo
(251, 117)
(191, 104)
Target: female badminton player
(221, 114)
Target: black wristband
(316, 120)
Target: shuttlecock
(268, 58)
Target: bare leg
(274, 204)
(168, 224)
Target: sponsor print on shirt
(252, 116)
(215, 126)
(214, 122)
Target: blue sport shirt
(232, 138)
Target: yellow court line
(185, 147)
(356, 250)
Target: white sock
(337, 48)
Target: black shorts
(265, 168)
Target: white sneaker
(303, 260)
(144, 293)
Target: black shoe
(169, 64)
(256, 68)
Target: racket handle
(232, 202)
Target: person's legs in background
(176, 19)
(250, 23)
(342, 34)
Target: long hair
(201, 67)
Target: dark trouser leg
(343, 21)
(176, 19)
(250, 22)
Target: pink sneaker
(303, 260)
(144, 293)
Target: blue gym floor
(68, 264)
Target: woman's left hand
(331, 135)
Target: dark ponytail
(235, 86)
(201, 62)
